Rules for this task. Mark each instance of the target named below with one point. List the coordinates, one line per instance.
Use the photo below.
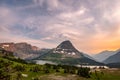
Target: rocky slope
(66, 53)
(21, 50)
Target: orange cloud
(99, 42)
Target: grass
(103, 74)
(108, 75)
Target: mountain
(88, 56)
(66, 53)
(22, 50)
(113, 59)
(104, 55)
(68, 50)
(5, 53)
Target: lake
(42, 62)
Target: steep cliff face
(22, 50)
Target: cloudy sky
(91, 25)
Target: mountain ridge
(66, 53)
(22, 50)
(113, 59)
(104, 55)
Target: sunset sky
(91, 25)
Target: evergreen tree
(84, 72)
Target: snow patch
(73, 53)
(5, 46)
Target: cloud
(88, 24)
(50, 5)
(7, 17)
(16, 38)
(72, 14)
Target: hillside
(12, 68)
(113, 59)
(66, 53)
(21, 50)
(104, 55)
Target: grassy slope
(53, 75)
(60, 76)
(108, 75)
(61, 59)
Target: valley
(61, 63)
(59, 39)
(12, 69)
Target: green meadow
(12, 68)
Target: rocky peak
(66, 45)
(67, 49)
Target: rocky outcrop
(22, 50)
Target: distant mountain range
(104, 55)
(110, 58)
(66, 53)
(113, 59)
